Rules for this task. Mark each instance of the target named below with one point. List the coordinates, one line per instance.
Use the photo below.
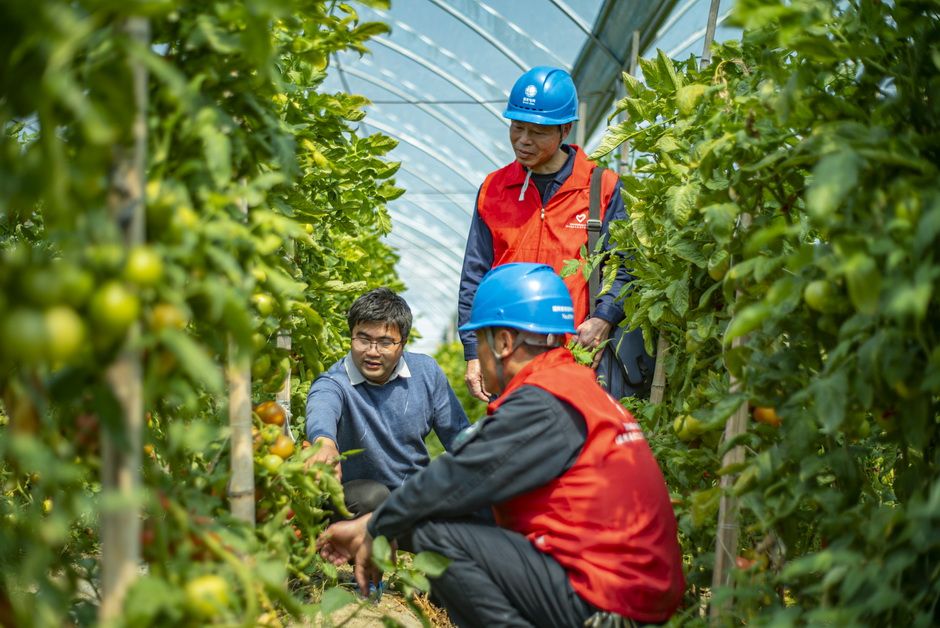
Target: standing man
(536, 210)
(585, 524)
(381, 399)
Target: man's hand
(350, 540)
(474, 381)
(327, 454)
(591, 333)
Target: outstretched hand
(350, 540)
(327, 454)
(591, 333)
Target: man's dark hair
(381, 306)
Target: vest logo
(631, 433)
(579, 224)
(531, 91)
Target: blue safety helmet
(543, 95)
(525, 296)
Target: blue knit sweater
(389, 421)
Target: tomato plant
(245, 152)
(805, 156)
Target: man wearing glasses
(381, 399)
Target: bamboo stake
(241, 488)
(120, 465)
(283, 395)
(726, 537)
(658, 389)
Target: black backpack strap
(594, 231)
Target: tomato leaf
(382, 554)
(193, 359)
(834, 177)
(431, 563)
(747, 320)
(334, 599)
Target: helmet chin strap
(490, 341)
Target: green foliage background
(821, 126)
(265, 209)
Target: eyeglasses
(385, 345)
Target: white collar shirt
(356, 377)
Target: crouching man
(584, 524)
(382, 399)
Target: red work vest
(608, 519)
(525, 231)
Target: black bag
(625, 369)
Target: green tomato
(76, 284)
(144, 267)
(270, 431)
(167, 316)
(42, 286)
(113, 308)
(24, 336)
(718, 265)
(819, 295)
(260, 367)
(105, 258)
(276, 377)
(207, 596)
(65, 333)
(264, 303)
(185, 219)
(271, 463)
(687, 427)
(259, 342)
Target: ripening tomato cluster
(287, 486)
(271, 445)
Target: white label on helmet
(562, 308)
(531, 91)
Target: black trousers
(364, 496)
(497, 577)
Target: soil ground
(391, 605)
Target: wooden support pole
(658, 389)
(726, 537)
(283, 395)
(121, 459)
(241, 486)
